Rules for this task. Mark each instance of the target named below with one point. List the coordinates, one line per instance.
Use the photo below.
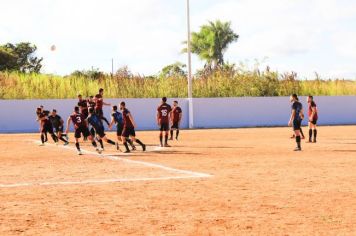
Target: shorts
(297, 124)
(47, 127)
(128, 131)
(314, 121)
(119, 130)
(175, 125)
(58, 129)
(164, 127)
(99, 112)
(100, 132)
(81, 130)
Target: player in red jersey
(129, 128)
(163, 117)
(83, 105)
(80, 127)
(45, 125)
(176, 117)
(313, 119)
(99, 103)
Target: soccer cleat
(171, 138)
(161, 145)
(80, 153)
(297, 149)
(177, 138)
(167, 145)
(144, 147)
(133, 148)
(98, 150)
(127, 151)
(314, 141)
(42, 144)
(66, 143)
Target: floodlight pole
(190, 87)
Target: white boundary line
(188, 174)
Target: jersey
(78, 120)
(126, 118)
(55, 120)
(91, 104)
(99, 101)
(297, 106)
(95, 121)
(117, 116)
(163, 112)
(310, 110)
(176, 114)
(83, 106)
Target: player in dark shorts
(163, 117)
(117, 119)
(129, 128)
(95, 121)
(83, 105)
(91, 104)
(176, 117)
(301, 130)
(313, 119)
(296, 119)
(45, 125)
(57, 124)
(80, 128)
(99, 103)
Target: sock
(310, 134)
(92, 131)
(297, 139)
(62, 139)
(94, 144)
(130, 142)
(54, 137)
(77, 145)
(171, 133)
(166, 139)
(177, 133)
(101, 143)
(139, 142)
(126, 146)
(42, 138)
(315, 134)
(111, 142)
(161, 139)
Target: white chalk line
(188, 174)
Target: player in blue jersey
(296, 118)
(95, 121)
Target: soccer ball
(53, 48)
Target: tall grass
(220, 84)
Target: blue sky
(306, 36)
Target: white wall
(19, 115)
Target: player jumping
(45, 125)
(296, 119)
(80, 127)
(83, 105)
(313, 119)
(163, 114)
(176, 117)
(129, 128)
(99, 103)
(57, 124)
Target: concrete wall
(19, 115)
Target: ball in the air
(53, 48)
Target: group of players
(88, 117)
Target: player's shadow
(344, 150)
(213, 147)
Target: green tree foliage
(174, 70)
(19, 57)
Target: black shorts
(164, 127)
(100, 132)
(297, 124)
(99, 112)
(314, 121)
(128, 131)
(119, 130)
(47, 128)
(58, 129)
(175, 125)
(81, 130)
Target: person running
(57, 124)
(99, 103)
(163, 114)
(129, 128)
(45, 125)
(117, 119)
(312, 118)
(176, 117)
(95, 121)
(83, 105)
(80, 128)
(296, 119)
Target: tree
(20, 57)
(212, 41)
(173, 70)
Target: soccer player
(296, 119)
(176, 117)
(80, 127)
(163, 114)
(83, 105)
(91, 104)
(45, 125)
(57, 124)
(95, 121)
(129, 128)
(117, 119)
(313, 118)
(99, 103)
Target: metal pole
(190, 87)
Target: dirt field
(241, 182)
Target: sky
(305, 36)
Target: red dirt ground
(259, 186)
